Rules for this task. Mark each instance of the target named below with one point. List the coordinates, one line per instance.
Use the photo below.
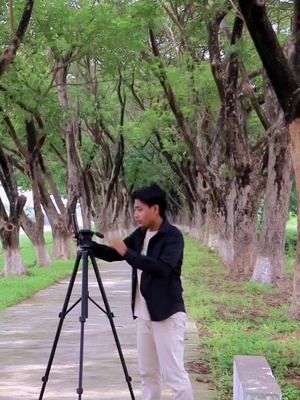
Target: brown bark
(247, 179)
(61, 239)
(70, 134)
(294, 130)
(227, 228)
(4, 224)
(245, 235)
(270, 262)
(60, 225)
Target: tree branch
(209, 175)
(269, 49)
(10, 52)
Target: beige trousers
(161, 358)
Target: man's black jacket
(160, 279)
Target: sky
(27, 194)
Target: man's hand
(118, 245)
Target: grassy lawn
(233, 317)
(240, 318)
(17, 288)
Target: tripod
(85, 253)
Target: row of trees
(106, 96)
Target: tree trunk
(35, 232)
(197, 222)
(85, 201)
(226, 246)
(62, 249)
(60, 225)
(71, 134)
(102, 219)
(43, 258)
(211, 228)
(294, 130)
(60, 222)
(270, 265)
(10, 224)
(86, 214)
(245, 234)
(183, 222)
(13, 261)
(127, 215)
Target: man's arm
(109, 253)
(169, 261)
(105, 252)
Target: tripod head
(83, 236)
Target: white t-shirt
(140, 305)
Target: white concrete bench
(254, 380)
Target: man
(155, 253)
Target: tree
(10, 223)
(270, 262)
(229, 181)
(29, 154)
(285, 83)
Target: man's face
(145, 215)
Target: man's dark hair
(152, 195)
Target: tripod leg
(83, 316)
(113, 328)
(62, 317)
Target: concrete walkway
(27, 332)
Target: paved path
(27, 332)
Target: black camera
(83, 236)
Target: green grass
(239, 318)
(14, 289)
